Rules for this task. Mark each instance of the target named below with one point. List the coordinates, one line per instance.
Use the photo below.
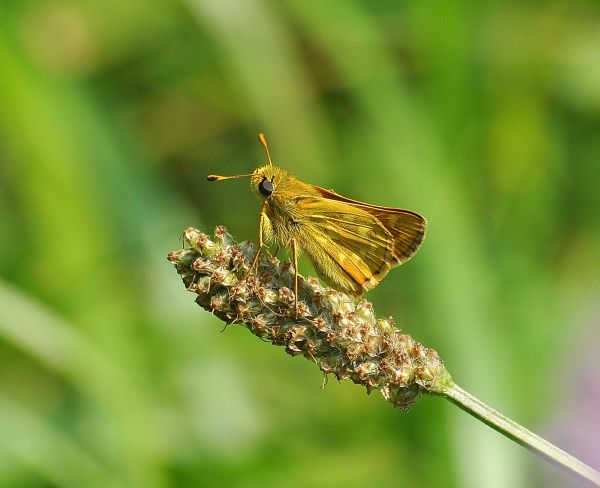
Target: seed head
(343, 337)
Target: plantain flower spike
(341, 336)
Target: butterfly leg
(260, 240)
(270, 253)
(295, 250)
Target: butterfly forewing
(407, 228)
(355, 247)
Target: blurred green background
(482, 116)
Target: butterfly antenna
(219, 177)
(263, 141)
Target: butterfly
(352, 245)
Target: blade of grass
(46, 450)
(49, 124)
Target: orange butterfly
(352, 245)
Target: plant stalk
(519, 434)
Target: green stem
(519, 434)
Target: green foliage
(482, 117)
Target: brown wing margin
(408, 228)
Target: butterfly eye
(266, 187)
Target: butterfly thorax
(283, 217)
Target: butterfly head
(264, 179)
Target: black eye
(265, 187)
